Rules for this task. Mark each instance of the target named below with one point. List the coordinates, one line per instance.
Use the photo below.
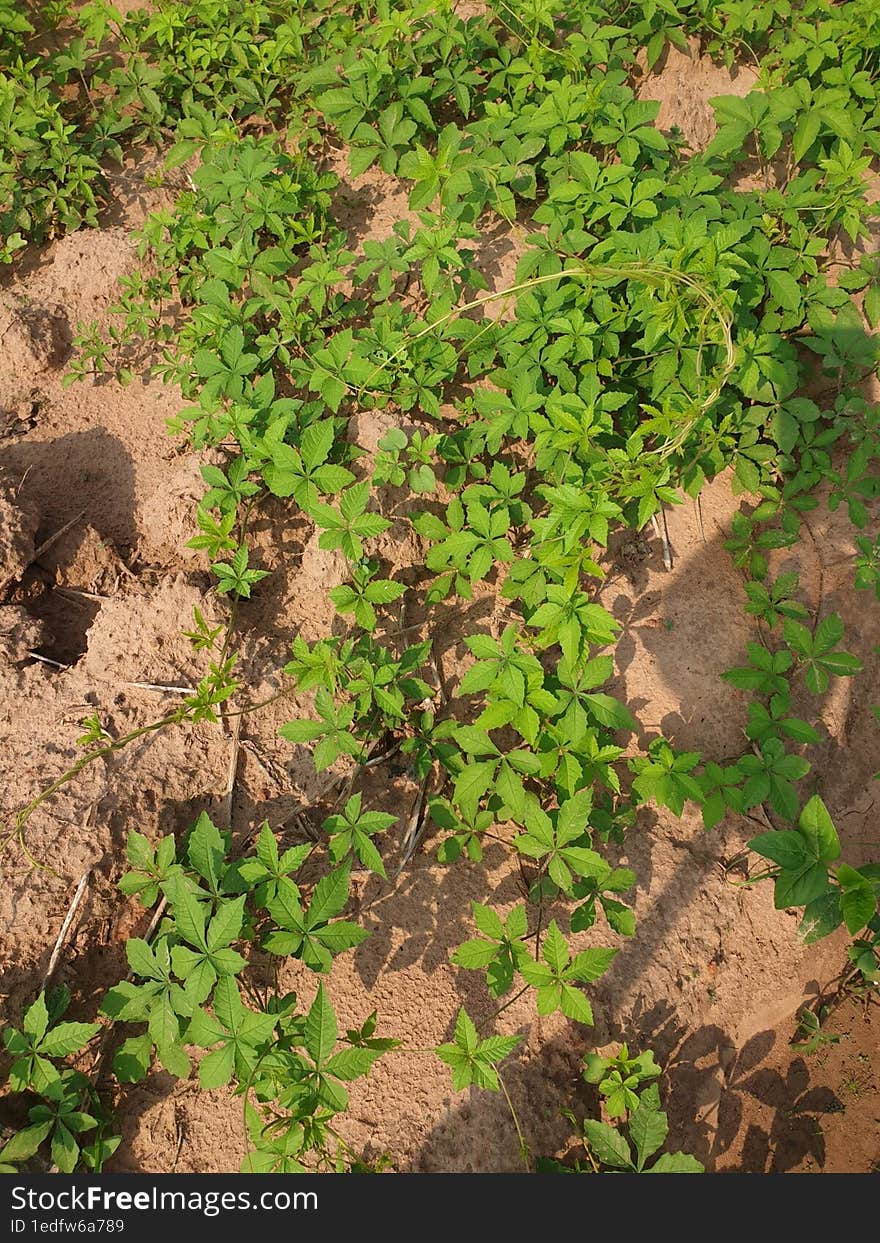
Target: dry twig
(47, 543)
(65, 927)
(662, 532)
(411, 837)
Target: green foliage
(638, 1128)
(473, 1060)
(555, 977)
(41, 1041)
(646, 1131)
(770, 775)
(667, 319)
(501, 949)
(192, 986)
(810, 1037)
(803, 877)
(69, 1120)
(666, 776)
(352, 831)
(619, 1078)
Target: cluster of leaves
(66, 1119)
(81, 84)
(194, 987)
(637, 1126)
(665, 319)
(554, 975)
(831, 896)
(190, 985)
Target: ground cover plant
(674, 315)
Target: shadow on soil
(77, 478)
(709, 1090)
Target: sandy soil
(714, 974)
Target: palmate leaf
(41, 1040)
(307, 934)
(502, 951)
(474, 1061)
(240, 1033)
(554, 978)
(322, 1071)
(819, 651)
(801, 856)
(266, 867)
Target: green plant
(639, 1126)
(192, 987)
(69, 1116)
(620, 1077)
(809, 1037)
(646, 1131)
(664, 325)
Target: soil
(96, 585)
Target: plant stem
(523, 1146)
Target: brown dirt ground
(714, 975)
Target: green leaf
(218, 1067)
(190, 915)
(647, 1130)
(320, 1028)
(67, 1038)
(610, 711)
(488, 922)
(349, 1064)
(816, 825)
(132, 1059)
(206, 851)
(36, 1020)
(226, 924)
(465, 1032)
(797, 888)
(64, 1149)
(785, 290)
(858, 907)
(142, 960)
(475, 955)
(676, 1163)
(591, 965)
(471, 784)
(805, 134)
(555, 949)
(330, 896)
(575, 1005)
(785, 847)
(821, 917)
(608, 1145)
(25, 1142)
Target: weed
(664, 325)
